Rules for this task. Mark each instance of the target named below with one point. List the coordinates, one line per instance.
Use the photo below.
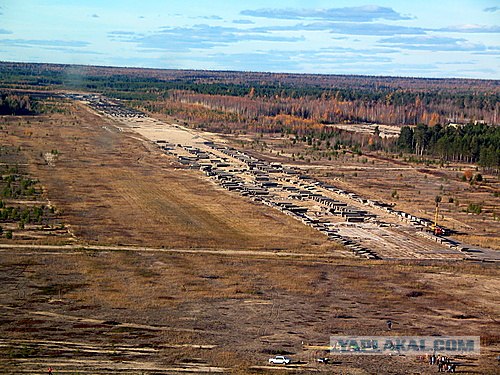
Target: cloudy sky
(436, 38)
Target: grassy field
(124, 310)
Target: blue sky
(438, 38)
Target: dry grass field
(114, 188)
(102, 311)
(116, 309)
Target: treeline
(59, 72)
(11, 104)
(470, 143)
(314, 134)
(391, 109)
(322, 98)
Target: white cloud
(366, 13)
(472, 29)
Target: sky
(438, 38)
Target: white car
(280, 360)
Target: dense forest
(11, 104)
(321, 98)
(469, 143)
(442, 118)
(393, 108)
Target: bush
(474, 208)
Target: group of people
(443, 363)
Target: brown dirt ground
(138, 312)
(248, 307)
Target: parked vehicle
(280, 360)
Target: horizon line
(252, 71)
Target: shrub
(474, 208)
